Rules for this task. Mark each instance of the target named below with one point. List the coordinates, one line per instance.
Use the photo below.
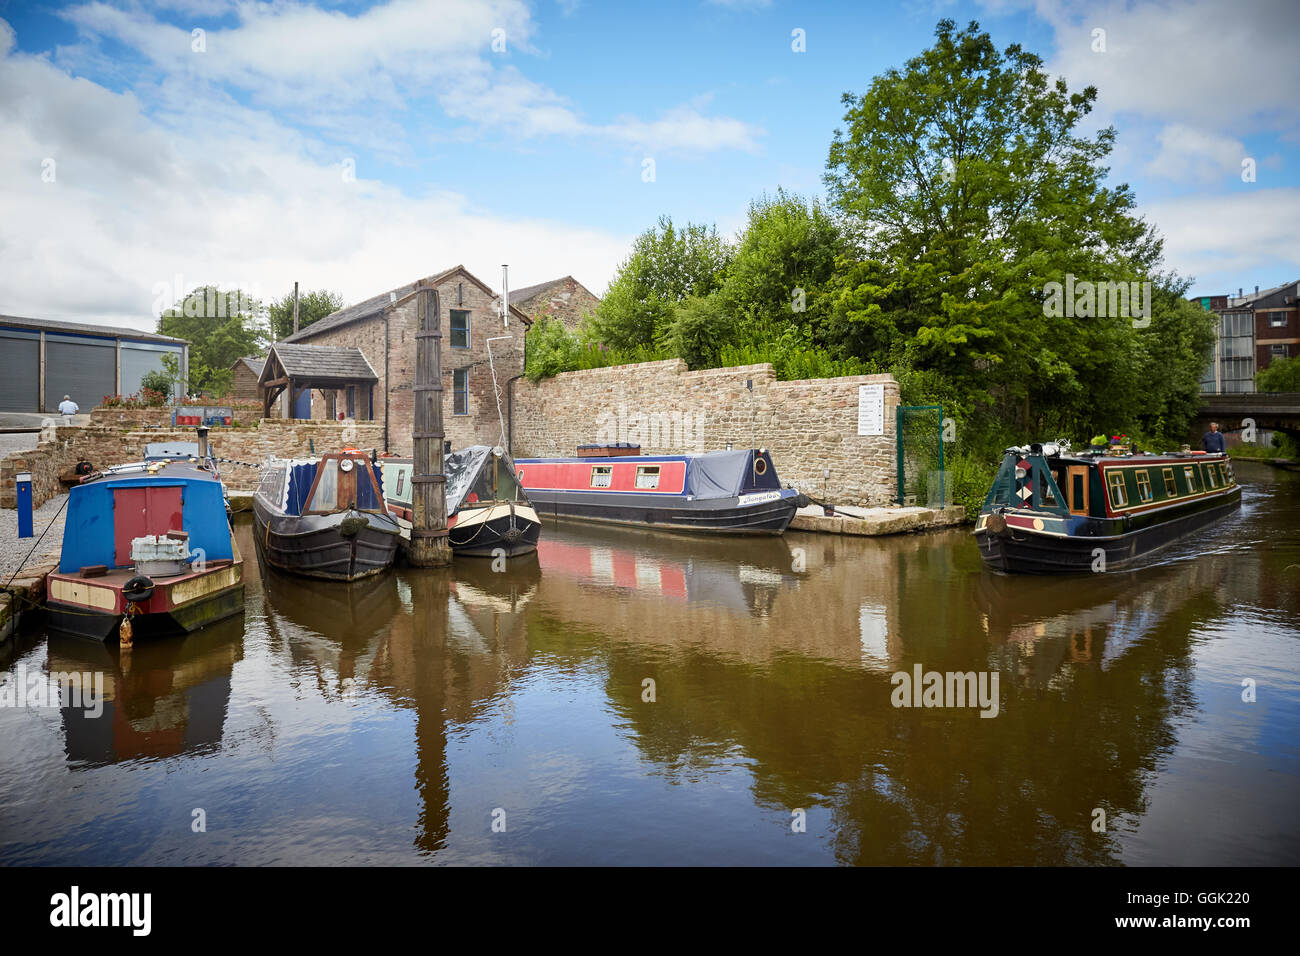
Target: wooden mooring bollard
(429, 545)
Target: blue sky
(356, 146)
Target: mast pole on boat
(429, 545)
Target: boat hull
(1026, 551)
(93, 607)
(486, 532)
(316, 545)
(767, 513)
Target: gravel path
(13, 550)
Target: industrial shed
(41, 360)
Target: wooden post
(429, 545)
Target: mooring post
(429, 545)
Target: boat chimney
(203, 443)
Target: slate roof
(83, 328)
(375, 304)
(323, 362)
(528, 291)
(253, 363)
(1252, 298)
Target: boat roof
(181, 469)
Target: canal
(632, 698)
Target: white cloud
(202, 193)
(1190, 155)
(1234, 234)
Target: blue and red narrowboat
(1052, 511)
(147, 550)
(731, 492)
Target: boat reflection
(163, 698)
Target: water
(398, 720)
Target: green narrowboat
(1051, 511)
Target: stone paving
(13, 550)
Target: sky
(147, 148)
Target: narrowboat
(731, 492)
(487, 510)
(147, 551)
(324, 517)
(1052, 511)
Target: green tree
(159, 382)
(312, 306)
(220, 327)
(667, 264)
(968, 189)
(1282, 375)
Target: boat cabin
(338, 481)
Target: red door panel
(141, 511)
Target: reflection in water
(162, 698)
(632, 697)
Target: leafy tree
(968, 190)
(312, 306)
(1282, 375)
(667, 264)
(783, 259)
(699, 328)
(220, 327)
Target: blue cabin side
(99, 518)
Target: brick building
(383, 328)
(566, 299)
(1253, 330)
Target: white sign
(871, 409)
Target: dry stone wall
(810, 427)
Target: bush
(158, 382)
(1282, 375)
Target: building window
(647, 476)
(1144, 486)
(602, 476)
(1118, 494)
(1171, 486)
(460, 391)
(459, 329)
(1276, 352)
(1190, 474)
(1277, 320)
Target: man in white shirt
(68, 408)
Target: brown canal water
(395, 721)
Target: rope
(6, 588)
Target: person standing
(68, 408)
(1212, 441)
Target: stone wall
(810, 427)
(64, 446)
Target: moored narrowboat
(1052, 511)
(324, 517)
(730, 492)
(149, 543)
(487, 510)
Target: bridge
(1278, 411)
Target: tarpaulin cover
(461, 468)
(726, 474)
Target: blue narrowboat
(728, 492)
(147, 550)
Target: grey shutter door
(20, 373)
(138, 361)
(83, 370)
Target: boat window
(1079, 501)
(1144, 485)
(1226, 473)
(1214, 479)
(647, 476)
(1171, 486)
(1189, 473)
(326, 497)
(368, 497)
(401, 479)
(602, 476)
(1118, 493)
